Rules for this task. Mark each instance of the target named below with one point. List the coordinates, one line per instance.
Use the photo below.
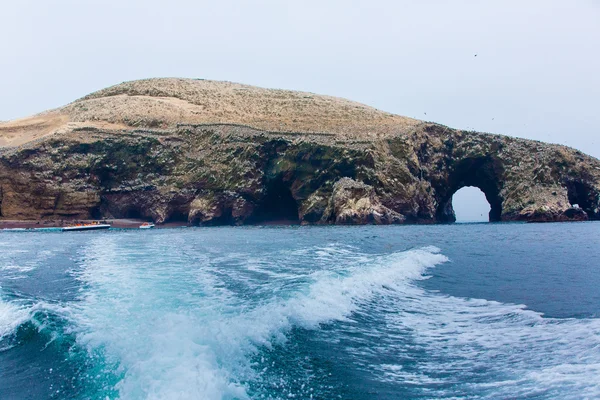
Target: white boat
(85, 227)
(147, 225)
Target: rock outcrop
(217, 153)
(357, 203)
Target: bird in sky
(475, 55)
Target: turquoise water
(408, 312)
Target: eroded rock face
(357, 203)
(350, 164)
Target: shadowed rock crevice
(179, 216)
(219, 208)
(133, 213)
(120, 205)
(96, 212)
(226, 218)
(221, 217)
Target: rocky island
(219, 153)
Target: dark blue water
(416, 312)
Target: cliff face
(221, 153)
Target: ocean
(463, 311)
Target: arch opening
(278, 206)
(470, 205)
(482, 173)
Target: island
(205, 152)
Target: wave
(22, 323)
(185, 326)
(168, 343)
(11, 317)
(334, 296)
(39, 336)
(492, 349)
(147, 317)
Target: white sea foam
(150, 324)
(334, 296)
(17, 268)
(174, 330)
(169, 344)
(12, 315)
(516, 352)
(17, 263)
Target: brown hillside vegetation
(164, 103)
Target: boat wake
(232, 325)
(486, 349)
(170, 342)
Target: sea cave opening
(177, 216)
(96, 213)
(583, 196)
(133, 213)
(470, 205)
(278, 206)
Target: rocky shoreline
(214, 153)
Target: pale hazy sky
(536, 74)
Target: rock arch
(484, 173)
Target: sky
(523, 68)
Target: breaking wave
(11, 317)
(171, 344)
